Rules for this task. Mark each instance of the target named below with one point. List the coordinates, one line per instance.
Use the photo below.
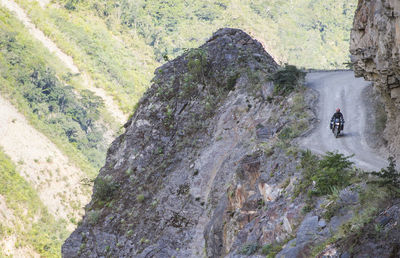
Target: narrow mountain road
(111, 106)
(343, 90)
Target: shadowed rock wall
(375, 50)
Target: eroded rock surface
(375, 50)
(199, 171)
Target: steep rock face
(375, 49)
(196, 173)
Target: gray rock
(375, 51)
(180, 174)
(306, 235)
(383, 221)
(264, 133)
(307, 229)
(337, 221)
(348, 197)
(345, 255)
(201, 180)
(322, 223)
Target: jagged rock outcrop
(199, 171)
(375, 50)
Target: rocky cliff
(208, 167)
(205, 166)
(375, 50)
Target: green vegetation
(104, 188)
(33, 225)
(303, 32)
(372, 199)
(117, 59)
(327, 176)
(119, 43)
(287, 79)
(271, 250)
(334, 170)
(32, 78)
(290, 81)
(140, 198)
(249, 249)
(330, 173)
(93, 216)
(389, 177)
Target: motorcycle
(336, 126)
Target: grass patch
(271, 250)
(249, 249)
(140, 198)
(37, 228)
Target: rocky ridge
(197, 164)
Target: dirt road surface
(342, 90)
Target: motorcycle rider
(338, 115)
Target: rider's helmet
(338, 110)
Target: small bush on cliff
(309, 164)
(271, 250)
(104, 188)
(389, 177)
(249, 249)
(287, 79)
(93, 217)
(333, 171)
(140, 198)
(197, 62)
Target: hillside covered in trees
(121, 42)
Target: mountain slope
(44, 90)
(142, 34)
(49, 130)
(56, 181)
(302, 32)
(112, 108)
(26, 227)
(121, 64)
(209, 166)
(166, 179)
